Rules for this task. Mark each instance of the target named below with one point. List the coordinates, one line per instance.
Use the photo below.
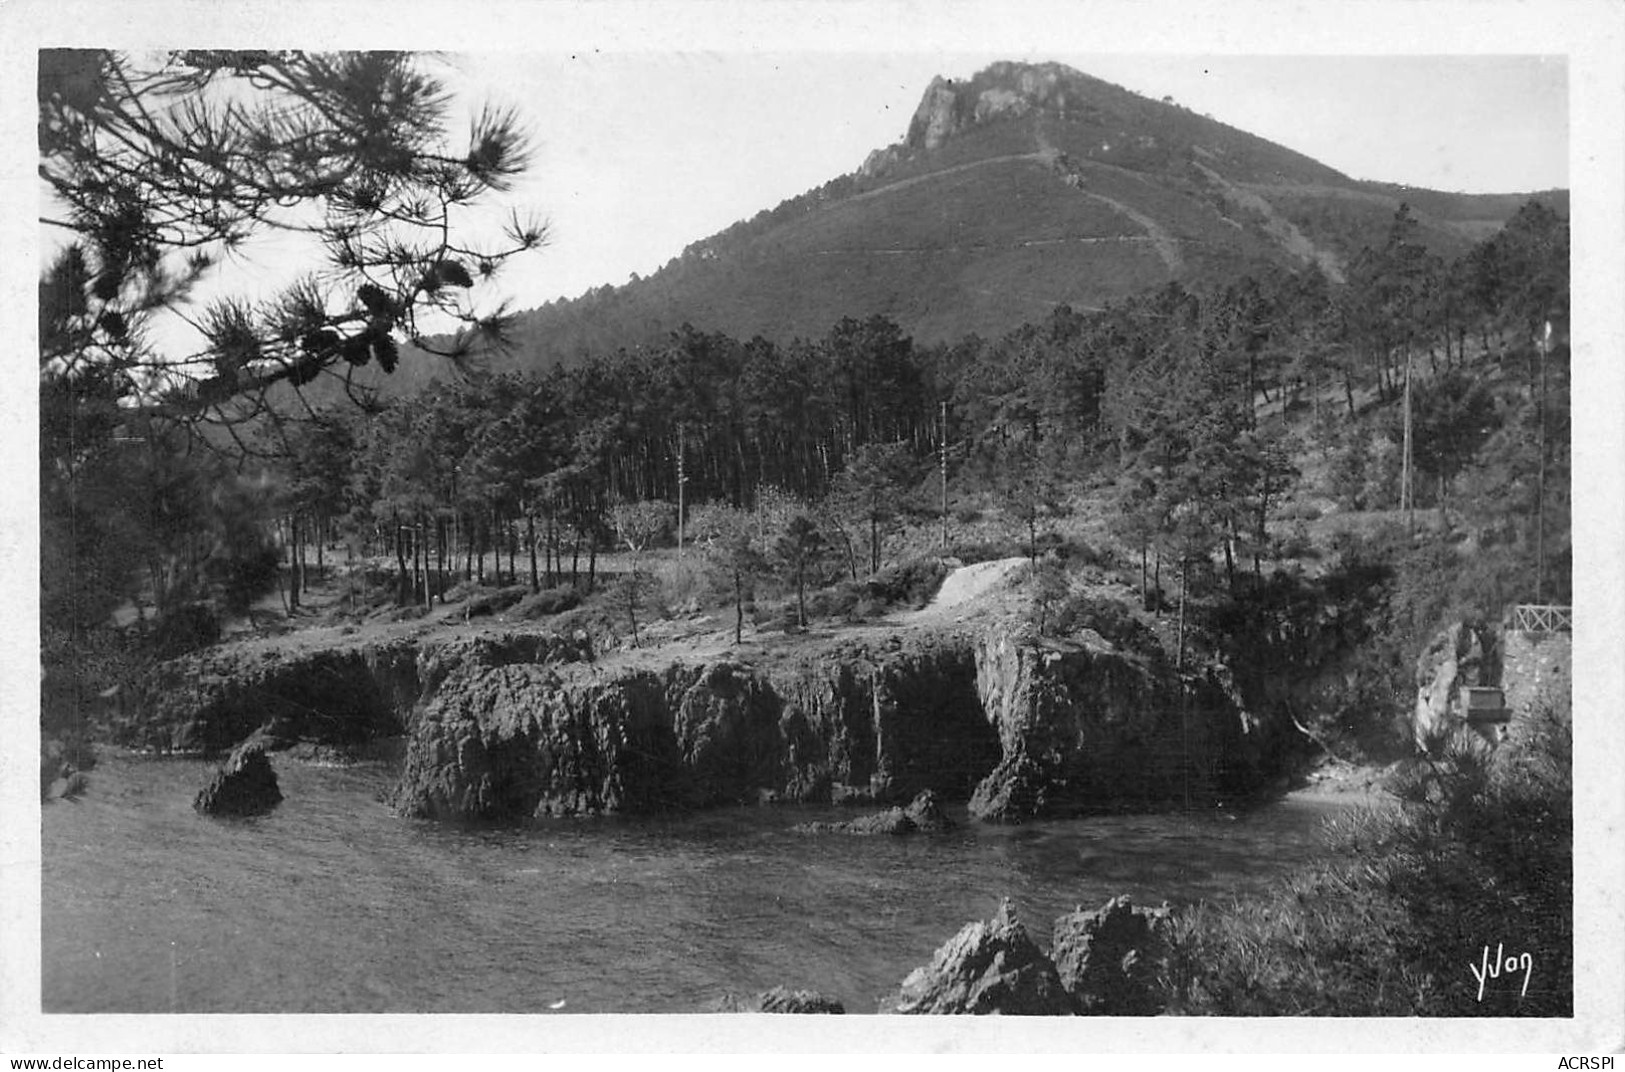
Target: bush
(185, 628)
(976, 551)
(912, 583)
(1297, 544)
(837, 601)
(547, 602)
(1111, 619)
(682, 583)
(494, 601)
(243, 578)
(909, 584)
(1478, 854)
(1299, 511)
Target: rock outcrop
(1462, 654)
(1109, 959)
(245, 786)
(1102, 963)
(924, 814)
(991, 967)
(877, 722)
(1085, 728)
(1063, 729)
(781, 1000)
(521, 725)
(1003, 89)
(344, 694)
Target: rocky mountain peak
(1003, 89)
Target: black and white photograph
(618, 521)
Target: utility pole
(681, 480)
(1184, 570)
(1406, 496)
(1540, 482)
(942, 451)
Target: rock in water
(797, 1001)
(1108, 959)
(925, 814)
(246, 785)
(986, 968)
(1017, 789)
(779, 999)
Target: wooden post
(1184, 583)
(943, 451)
(1406, 496)
(1540, 481)
(682, 479)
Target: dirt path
(968, 591)
(1283, 230)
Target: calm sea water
(332, 904)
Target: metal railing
(1542, 618)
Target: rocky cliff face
(1003, 89)
(209, 701)
(1084, 728)
(1061, 731)
(524, 725)
(1461, 655)
(878, 723)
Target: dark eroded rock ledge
(522, 725)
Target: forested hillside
(1237, 455)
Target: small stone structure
(1489, 677)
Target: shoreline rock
(1109, 959)
(246, 785)
(525, 725)
(1105, 962)
(987, 968)
(925, 814)
(781, 1000)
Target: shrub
(682, 582)
(1111, 619)
(1299, 511)
(493, 601)
(244, 577)
(1297, 544)
(908, 584)
(548, 601)
(912, 583)
(1477, 855)
(986, 551)
(185, 628)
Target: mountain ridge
(1017, 190)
